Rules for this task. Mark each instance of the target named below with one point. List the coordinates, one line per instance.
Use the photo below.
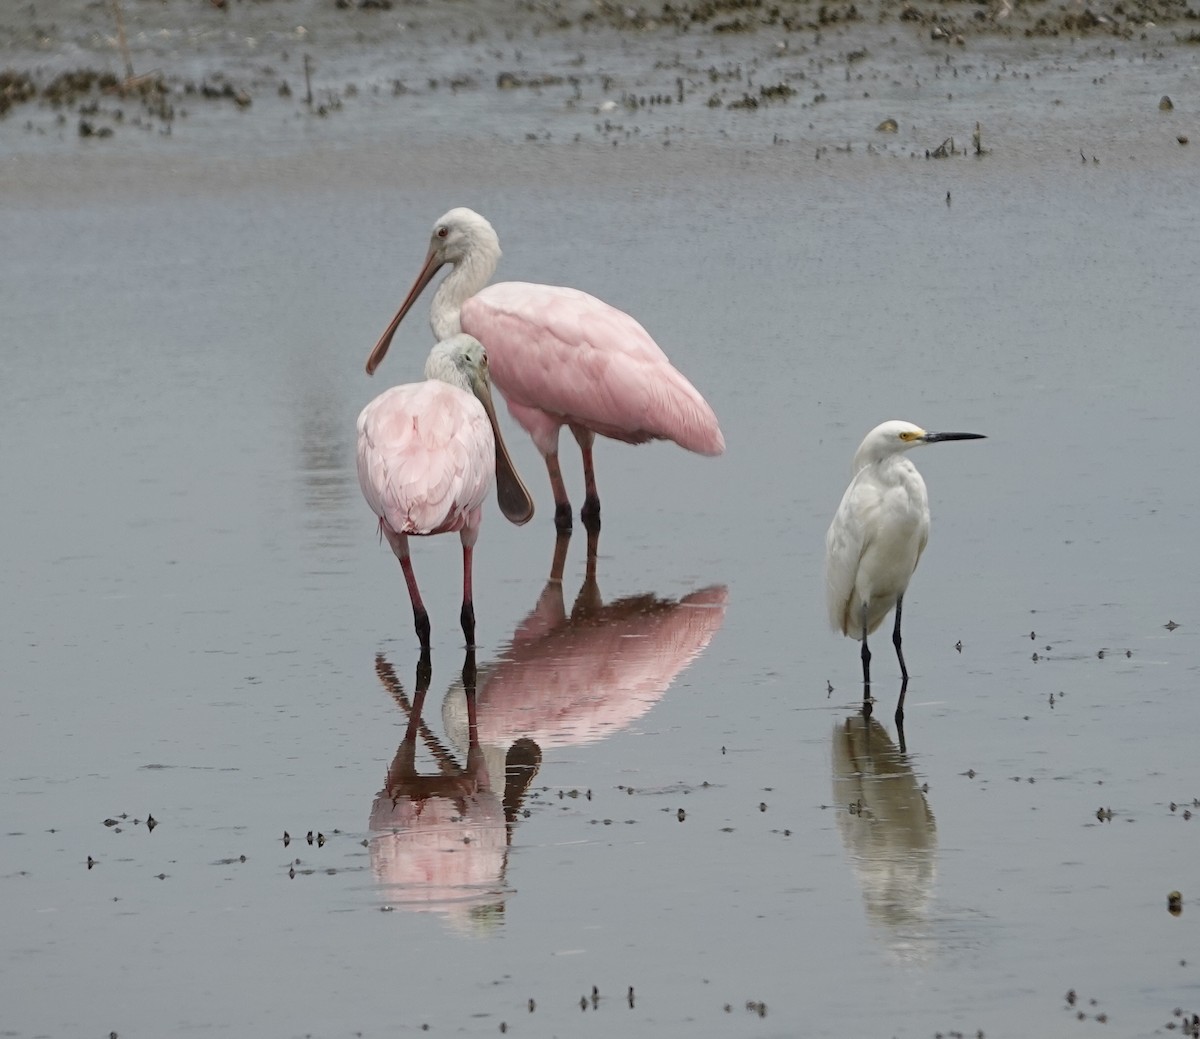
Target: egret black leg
(900, 716)
(896, 640)
(866, 665)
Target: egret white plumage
(428, 454)
(877, 536)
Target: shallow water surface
(674, 820)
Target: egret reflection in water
(889, 834)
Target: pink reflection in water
(440, 838)
(568, 680)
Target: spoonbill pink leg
(590, 513)
(468, 604)
(562, 504)
(399, 543)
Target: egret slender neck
(888, 468)
(895, 467)
(469, 274)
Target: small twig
(137, 82)
(307, 82)
(122, 42)
(977, 140)
(943, 150)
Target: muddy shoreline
(168, 69)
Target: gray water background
(195, 594)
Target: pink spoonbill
(428, 454)
(559, 356)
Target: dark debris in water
(778, 92)
(100, 97)
(117, 823)
(1076, 1003)
(945, 150)
(675, 788)
(753, 1006)
(156, 93)
(1187, 1024)
(16, 88)
(514, 80)
(732, 17)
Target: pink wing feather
(426, 457)
(572, 356)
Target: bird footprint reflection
(889, 833)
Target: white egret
(877, 537)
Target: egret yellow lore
(876, 538)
